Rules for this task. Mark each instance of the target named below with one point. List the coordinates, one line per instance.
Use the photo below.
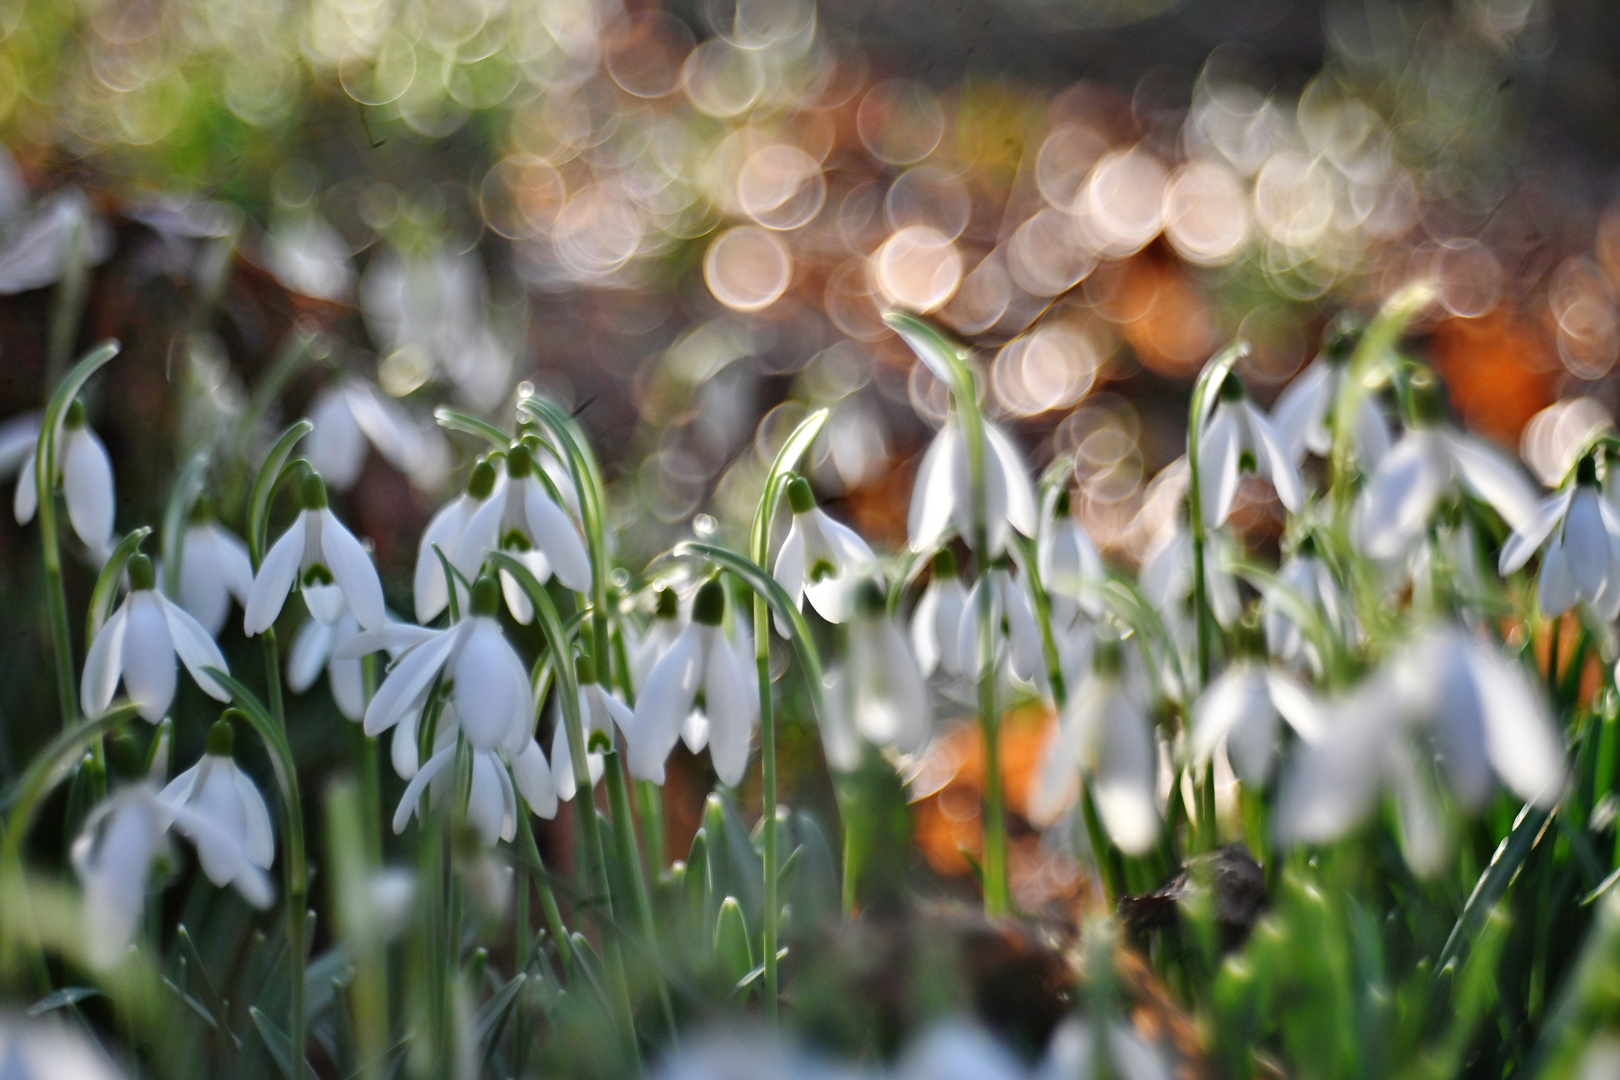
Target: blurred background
(684, 221)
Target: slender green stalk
(1205, 393)
(67, 307)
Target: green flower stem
(272, 733)
(272, 674)
(624, 833)
(548, 899)
(67, 306)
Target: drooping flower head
(85, 473)
(1237, 438)
(1313, 585)
(1014, 632)
(313, 649)
(139, 644)
(444, 532)
(1578, 531)
(323, 561)
(1070, 568)
(1302, 409)
(214, 569)
(821, 560)
(240, 839)
(943, 494)
(600, 712)
(881, 695)
(937, 618)
(1242, 710)
(491, 799)
(348, 415)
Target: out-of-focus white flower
(491, 800)
(1312, 583)
(881, 695)
(937, 618)
(702, 659)
(821, 560)
(139, 643)
(599, 711)
(1236, 438)
(958, 1049)
(1241, 710)
(39, 251)
(314, 648)
(239, 845)
(489, 684)
(943, 494)
(1106, 734)
(532, 774)
(1432, 462)
(86, 479)
(1301, 413)
(308, 256)
(42, 1049)
(1167, 578)
(1579, 534)
(214, 568)
(445, 531)
(1447, 691)
(19, 438)
(353, 412)
(1073, 1053)
(522, 518)
(1012, 615)
(323, 560)
(661, 634)
(1070, 568)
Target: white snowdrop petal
(533, 775)
(1524, 542)
(258, 841)
(730, 712)
(1057, 782)
(1520, 739)
(391, 637)
(234, 563)
(695, 731)
(1296, 705)
(1492, 476)
(25, 502)
(834, 597)
(429, 587)
(194, 647)
(1274, 461)
(87, 488)
(148, 660)
(996, 496)
(1586, 543)
(1301, 408)
(925, 634)
(337, 446)
(275, 579)
(202, 581)
(1219, 455)
(662, 706)
(1223, 704)
(562, 758)
(486, 807)
(402, 750)
(103, 665)
(1372, 439)
(556, 536)
(1395, 506)
(19, 440)
(409, 680)
(1423, 830)
(412, 798)
(1020, 500)
(1555, 588)
(352, 572)
(933, 494)
(487, 697)
(1127, 778)
(481, 533)
(347, 681)
(790, 570)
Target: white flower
(959, 1050)
(1427, 465)
(1236, 438)
(19, 438)
(347, 415)
(660, 635)
(1581, 556)
(313, 648)
(1241, 708)
(1167, 578)
(701, 660)
(943, 495)
(85, 474)
(821, 560)
(937, 618)
(880, 696)
(139, 644)
(1447, 693)
(1106, 734)
(1070, 568)
(488, 683)
(1313, 584)
(45, 1049)
(445, 532)
(522, 518)
(1073, 1053)
(323, 560)
(491, 800)
(532, 774)
(1301, 413)
(239, 841)
(1012, 619)
(214, 567)
(599, 711)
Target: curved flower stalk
(1578, 532)
(444, 532)
(215, 568)
(1019, 644)
(1070, 568)
(84, 472)
(1106, 736)
(139, 644)
(600, 711)
(1241, 714)
(522, 519)
(323, 561)
(1447, 690)
(1432, 462)
(821, 560)
(1237, 438)
(239, 846)
(880, 696)
(488, 683)
(1311, 580)
(314, 647)
(348, 415)
(702, 660)
(942, 495)
(937, 619)
(491, 798)
(1300, 415)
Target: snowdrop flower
(19, 438)
(1313, 584)
(1167, 577)
(1430, 463)
(214, 568)
(489, 685)
(491, 799)
(821, 560)
(1012, 619)
(1106, 734)
(600, 712)
(321, 559)
(702, 660)
(1241, 710)
(531, 772)
(522, 518)
(880, 696)
(959, 1050)
(659, 637)
(315, 647)
(1073, 1053)
(1301, 413)
(1447, 692)
(445, 532)
(86, 479)
(43, 1049)
(943, 494)
(238, 845)
(1238, 438)
(113, 859)
(349, 414)
(139, 644)
(1070, 568)
(937, 618)
(1579, 533)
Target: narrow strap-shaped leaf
(1528, 829)
(264, 487)
(456, 420)
(187, 486)
(105, 593)
(275, 1040)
